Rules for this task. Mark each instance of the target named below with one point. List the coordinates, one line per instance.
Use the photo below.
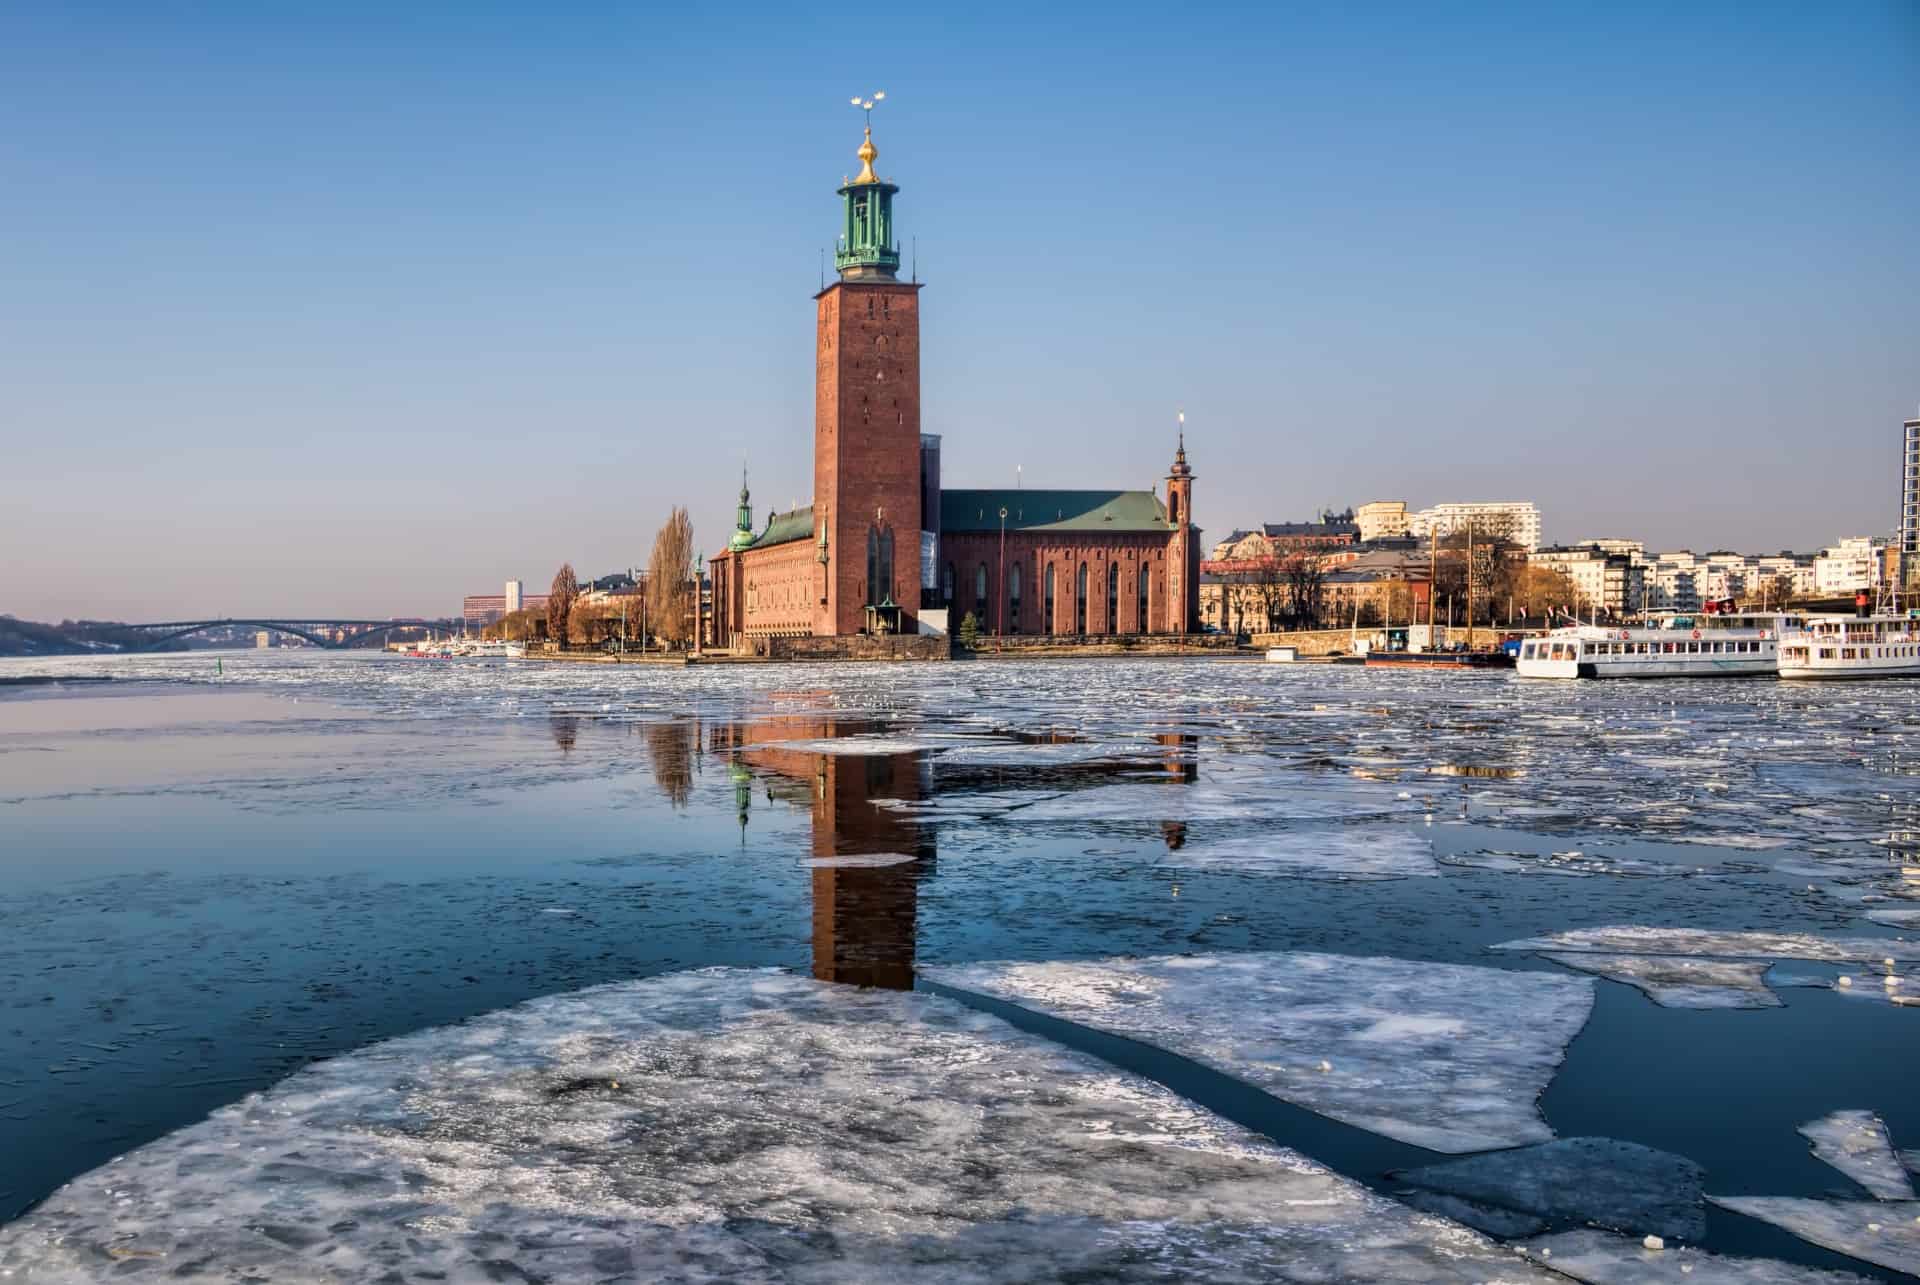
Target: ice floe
(1900, 917)
(857, 745)
(1450, 1057)
(729, 1125)
(1857, 1144)
(1343, 853)
(861, 861)
(1632, 939)
(1313, 800)
(1603, 1258)
(1679, 981)
(1603, 1181)
(1884, 1233)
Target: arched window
(1113, 597)
(1013, 599)
(1141, 578)
(980, 596)
(873, 565)
(1080, 600)
(946, 587)
(1046, 624)
(1173, 508)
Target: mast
(1469, 584)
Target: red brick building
(882, 542)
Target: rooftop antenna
(916, 260)
(1016, 477)
(823, 267)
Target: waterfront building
(1847, 567)
(1517, 521)
(1910, 503)
(1382, 520)
(479, 610)
(1610, 581)
(883, 542)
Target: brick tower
(1183, 557)
(866, 435)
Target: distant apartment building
(1682, 580)
(1382, 520)
(1910, 504)
(481, 610)
(1610, 581)
(1287, 539)
(1515, 520)
(1847, 567)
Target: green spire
(866, 251)
(742, 517)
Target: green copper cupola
(866, 251)
(742, 517)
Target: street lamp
(1000, 587)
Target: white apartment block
(1382, 519)
(1609, 581)
(1846, 567)
(514, 596)
(1682, 580)
(1910, 503)
(1515, 520)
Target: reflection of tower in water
(866, 890)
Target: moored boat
(1713, 644)
(1882, 644)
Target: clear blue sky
(357, 308)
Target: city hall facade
(884, 545)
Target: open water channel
(339, 967)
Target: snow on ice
(1603, 1258)
(1603, 1181)
(1884, 1233)
(1445, 1056)
(1630, 939)
(731, 1125)
(1856, 1143)
(1343, 853)
(1679, 981)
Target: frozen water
(857, 745)
(1573, 863)
(862, 861)
(1603, 1258)
(1902, 917)
(1491, 1219)
(1639, 940)
(729, 1125)
(1884, 1233)
(1682, 982)
(1603, 1181)
(1206, 801)
(1046, 753)
(1446, 1056)
(1341, 853)
(1856, 1143)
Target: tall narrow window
(1013, 599)
(873, 565)
(1080, 600)
(1173, 510)
(885, 591)
(1113, 597)
(946, 587)
(980, 597)
(1141, 578)
(1047, 624)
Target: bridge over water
(303, 627)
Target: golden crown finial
(867, 151)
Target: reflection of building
(864, 911)
(881, 540)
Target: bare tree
(670, 580)
(1269, 585)
(1306, 580)
(560, 600)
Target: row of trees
(1277, 593)
(662, 612)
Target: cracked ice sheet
(1450, 1057)
(1633, 939)
(1311, 799)
(1602, 1258)
(1345, 854)
(1681, 982)
(745, 1125)
(1883, 1233)
(1604, 1181)
(1857, 1144)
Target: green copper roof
(1053, 511)
(784, 528)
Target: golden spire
(867, 150)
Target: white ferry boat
(1884, 644)
(1717, 644)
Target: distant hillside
(71, 638)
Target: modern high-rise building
(513, 596)
(1910, 504)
